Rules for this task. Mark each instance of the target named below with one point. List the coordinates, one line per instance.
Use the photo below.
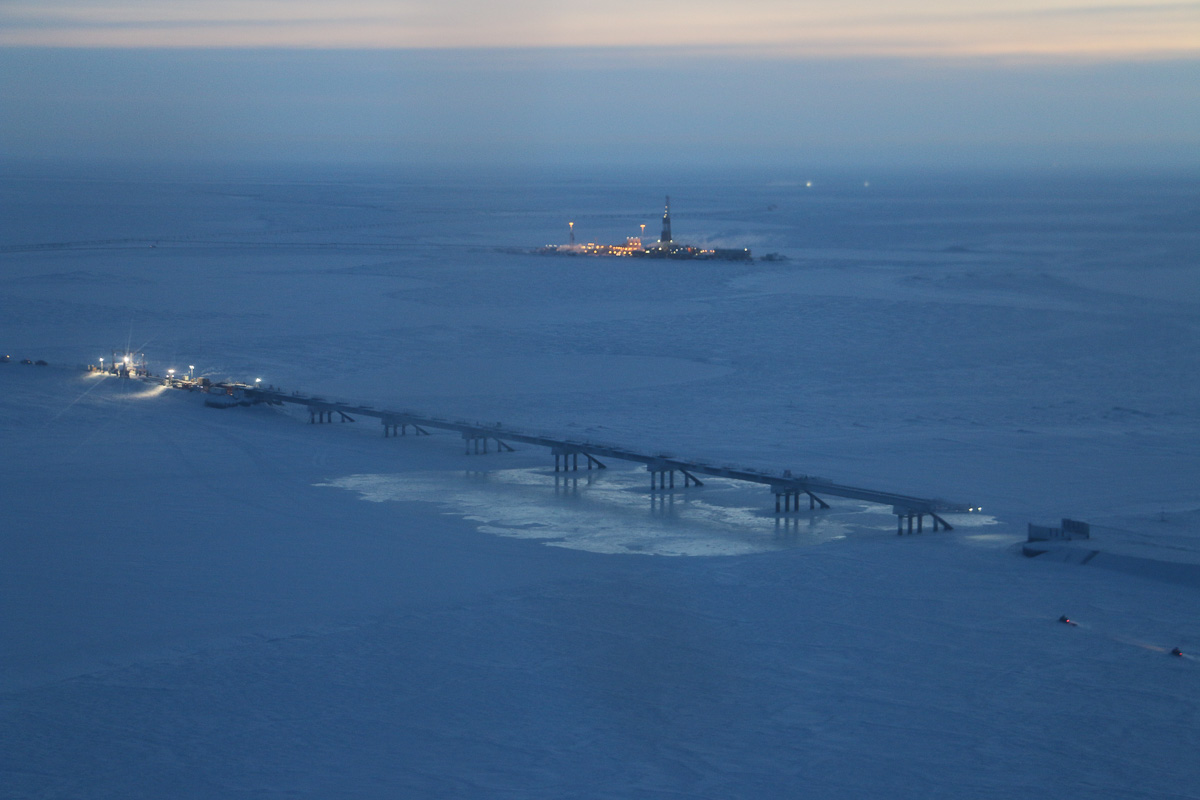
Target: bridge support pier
(401, 428)
(478, 443)
(904, 519)
(568, 460)
(791, 500)
(663, 479)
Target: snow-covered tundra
(209, 603)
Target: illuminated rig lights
(665, 247)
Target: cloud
(795, 28)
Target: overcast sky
(786, 82)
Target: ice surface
(614, 512)
(200, 603)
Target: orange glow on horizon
(863, 28)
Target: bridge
(789, 489)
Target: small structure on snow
(1071, 529)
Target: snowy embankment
(199, 603)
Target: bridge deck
(783, 483)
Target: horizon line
(790, 53)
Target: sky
(703, 82)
